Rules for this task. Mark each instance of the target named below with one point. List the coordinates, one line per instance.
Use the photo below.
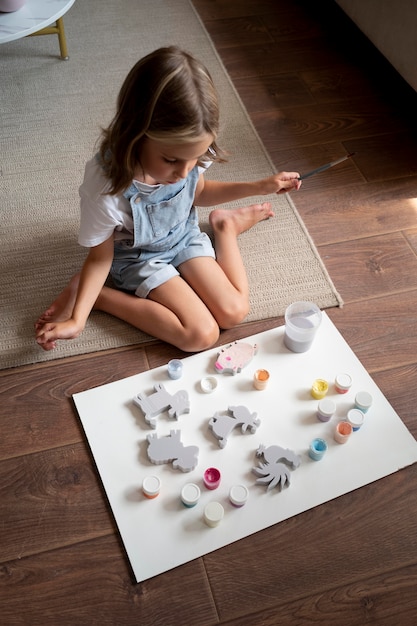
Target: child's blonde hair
(168, 96)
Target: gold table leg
(58, 29)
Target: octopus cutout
(273, 472)
(222, 424)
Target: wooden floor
(315, 89)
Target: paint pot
(319, 388)
(302, 320)
(317, 449)
(238, 495)
(208, 384)
(175, 369)
(8, 6)
(151, 486)
(363, 401)
(342, 432)
(343, 383)
(190, 495)
(326, 409)
(260, 379)
(212, 478)
(355, 417)
(213, 514)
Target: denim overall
(166, 234)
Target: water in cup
(302, 320)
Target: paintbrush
(326, 167)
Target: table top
(32, 17)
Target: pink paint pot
(212, 478)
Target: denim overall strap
(160, 218)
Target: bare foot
(62, 307)
(240, 220)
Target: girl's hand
(282, 182)
(50, 332)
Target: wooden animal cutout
(273, 472)
(233, 359)
(161, 401)
(222, 424)
(169, 448)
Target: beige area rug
(51, 112)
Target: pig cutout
(233, 359)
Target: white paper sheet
(162, 533)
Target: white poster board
(162, 533)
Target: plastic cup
(302, 319)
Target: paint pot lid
(213, 513)
(343, 381)
(238, 494)
(327, 407)
(363, 398)
(151, 485)
(355, 417)
(209, 384)
(190, 493)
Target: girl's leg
(186, 313)
(172, 312)
(222, 284)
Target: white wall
(392, 28)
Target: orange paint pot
(260, 379)
(343, 432)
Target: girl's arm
(92, 278)
(211, 192)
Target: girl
(139, 221)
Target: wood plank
(411, 235)
(91, 583)
(399, 389)
(37, 410)
(356, 211)
(374, 601)
(313, 97)
(331, 545)
(371, 267)
(220, 9)
(227, 33)
(340, 121)
(50, 499)
(381, 332)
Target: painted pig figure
(233, 359)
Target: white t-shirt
(104, 215)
